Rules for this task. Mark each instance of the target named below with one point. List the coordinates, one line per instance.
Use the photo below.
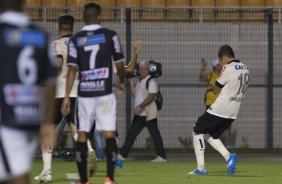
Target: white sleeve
(224, 76)
(153, 86)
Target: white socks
(47, 158)
(199, 147)
(218, 146)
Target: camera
(154, 67)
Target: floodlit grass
(144, 172)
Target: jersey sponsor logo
(92, 85)
(17, 94)
(16, 37)
(240, 67)
(27, 114)
(91, 40)
(100, 73)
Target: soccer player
(91, 53)
(231, 87)
(59, 49)
(210, 77)
(25, 66)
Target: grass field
(144, 172)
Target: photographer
(145, 113)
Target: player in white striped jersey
(231, 87)
(60, 49)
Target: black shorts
(211, 124)
(70, 116)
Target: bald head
(11, 5)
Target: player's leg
(91, 162)
(111, 153)
(46, 173)
(215, 142)
(106, 122)
(81, 154)
(154, 131)
(218, 146)
(201, 127)
(138, 124)
(199, 148)
(84, 119)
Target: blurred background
(178, 34)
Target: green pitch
(144, 172)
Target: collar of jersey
(235, 61)
(15, 18)
(91, 27)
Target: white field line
(73, 177)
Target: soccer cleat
(120, 157)
(231, 163)
(159, 159)
(109, 181)
(198, 172)
(119, 163)
(91, 163)
(44, 176)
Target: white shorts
(102, 110)
(17, 149)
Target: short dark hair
(226, 50)
(91, 12)
(66, 22)
(16, 5)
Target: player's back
(234, 78)
(60, 49)
(25, 64)
(94, 51)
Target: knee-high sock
(218, 146)
(199, 147)
(47, 158)
(81, 153)
(111, 152)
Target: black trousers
(138, 124)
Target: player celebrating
(91, 53)
(25, 65)
(231, 87)
(59, 49)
